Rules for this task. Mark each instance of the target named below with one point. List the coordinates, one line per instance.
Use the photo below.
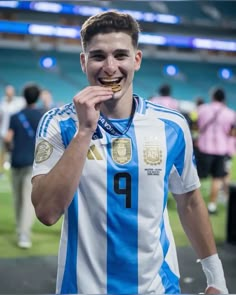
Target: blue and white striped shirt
(116, 236)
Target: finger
(93, 90)
(92, 99)
(97, 106)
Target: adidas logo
(93, 153)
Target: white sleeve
(49, 146)
(186, 179)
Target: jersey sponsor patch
(43, 151)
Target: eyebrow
(117, 51)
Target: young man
(21, 136)
(105, 161)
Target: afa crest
(153, 154)
(121, 150)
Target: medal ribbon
(107, 125)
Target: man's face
(112, 58)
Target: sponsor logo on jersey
(93, 153)
(121, 150)
(152, 152)
(43, 151)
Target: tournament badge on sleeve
(43, 151)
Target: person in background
(21, 137)
(223, 194)
(215, 120)
(9, 105)
(193, 122)
(105, 161)
(165, 99)
(46, 100)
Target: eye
(121, 56)
(97, 57)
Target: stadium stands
(194, 78)
(66, 78)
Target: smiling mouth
(113, 83)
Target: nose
(110, 66)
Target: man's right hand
(87, 103)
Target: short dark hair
(165, 90)
(108, 22)
(31, 93)
(199, 101)
(218, 94)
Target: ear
(82, 62)
(138, 60)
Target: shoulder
(59, 113)
(170, 117)
(54, 116)
(205, 107)
(231, 113)
(164, 112)
(15, 116)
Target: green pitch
(46, 239)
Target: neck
(31, 106)
(118, 109)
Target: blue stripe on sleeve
(45, 121)
(176, 142)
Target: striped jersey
(116, 237)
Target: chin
(116, 95)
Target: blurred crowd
(212, 126)
(19, 118)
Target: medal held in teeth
(114, 86)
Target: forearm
(195, 221)
(52, 193)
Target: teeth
(109, 80)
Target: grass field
(46, 239)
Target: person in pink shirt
(215, 120)
(165, 99)
(224, 193)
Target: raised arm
(53, 192)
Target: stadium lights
(170, 70)
(205, 43)
(66, 8)
(225, 73)
(46, 7)
(145, 38)
(47, 62)
(57, 31)
(9, 4)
